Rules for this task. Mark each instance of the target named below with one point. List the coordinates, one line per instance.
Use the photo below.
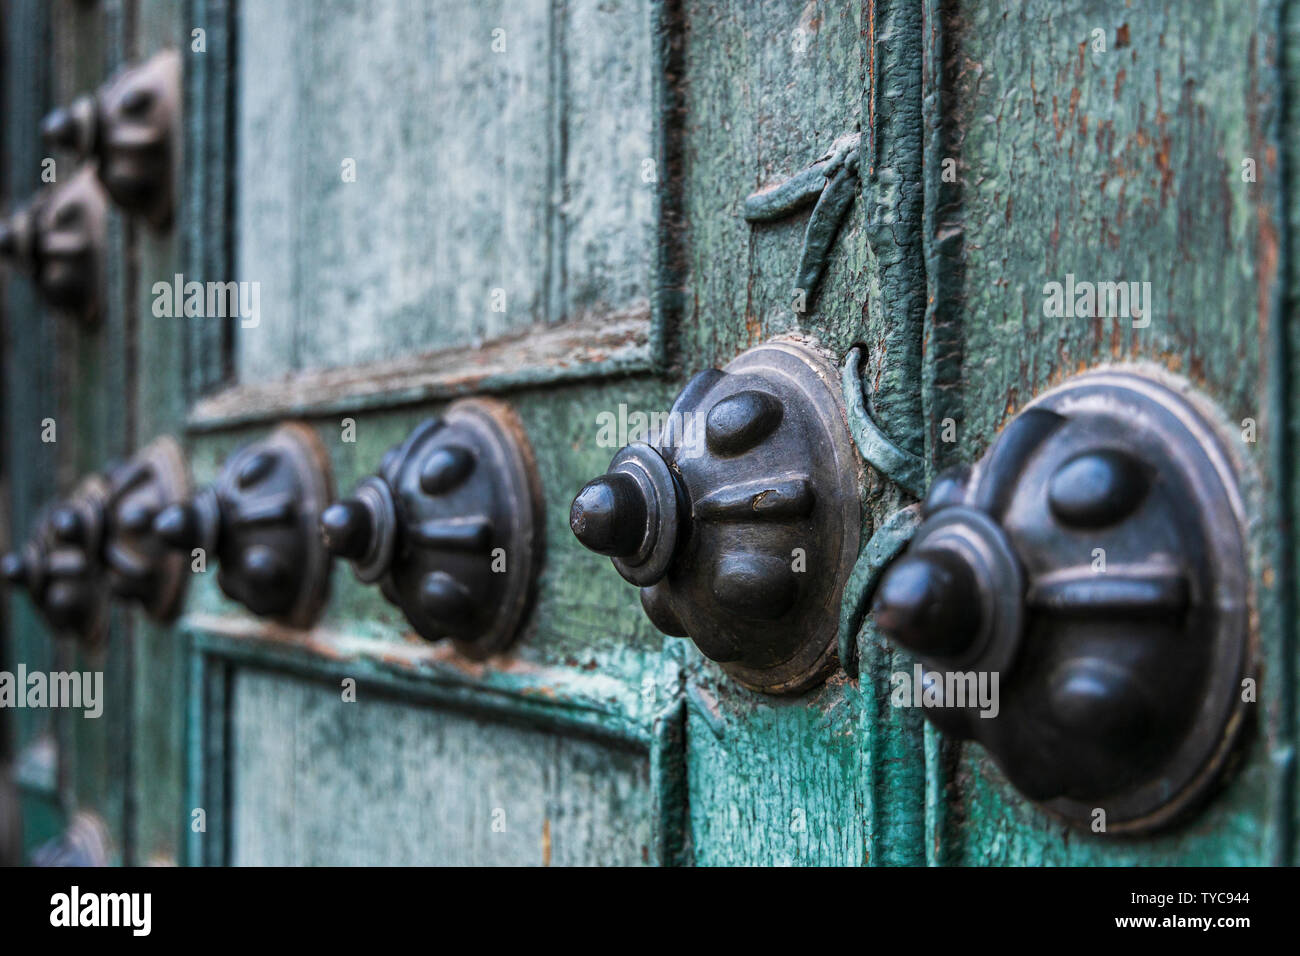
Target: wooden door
(545, 202)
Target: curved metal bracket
(898, 465)
(885, 545)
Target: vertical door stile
(942, 367)
(893, 194)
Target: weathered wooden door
(545, 203)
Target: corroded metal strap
(831, 182)
(898, 465)
(801, 189)
(885, 545)
(824, 224)
(783, 199)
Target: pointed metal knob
(929, 604)
(60, 129)
(347, 529)
(178, 526)
(450, 527)
(127, 130)
(1094, 564)
(260, 520)
(609, 515)
(740, 519)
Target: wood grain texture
(95, 425)
(320, 781)
(476, 170)
(539, 175)
(541, 355)
(205, 217)
(769, 87)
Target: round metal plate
(1163, 423)
(786, 507)
(471, 531)
(156, 478)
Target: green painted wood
(519, 703)
(97, 420)
(407, 785)
(205, 809)
(532, 158)
(205, 200)
(102, 404)
(836, 777)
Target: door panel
(391, 784)
(488, 192)
(532, 171)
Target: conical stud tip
(347, 529)
(609, 515)
(13, 568)
(177, 526)
(929, 604)
(59, 128)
